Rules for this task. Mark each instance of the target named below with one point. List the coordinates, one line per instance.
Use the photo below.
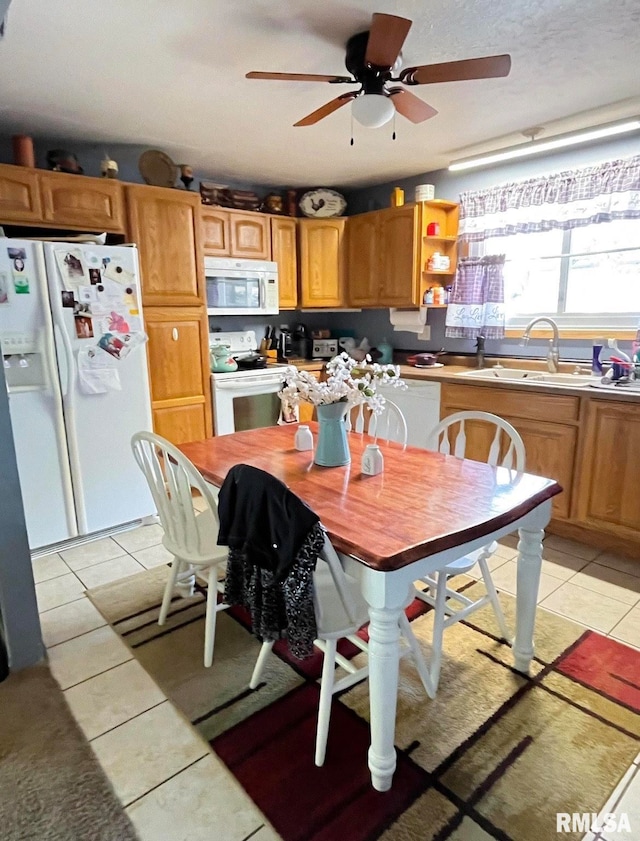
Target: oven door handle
(254, 384)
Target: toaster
(324, 348)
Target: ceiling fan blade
(326, 109)
(299, 77)
(411, 106)
(386, 37)
(488, 67)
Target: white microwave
(241, 287)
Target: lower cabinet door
(180, 424)
(179, 371)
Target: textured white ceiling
(170, 74)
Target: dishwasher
(420, 404)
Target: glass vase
(332, 448)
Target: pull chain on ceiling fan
(372, 58)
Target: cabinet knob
(174, 334)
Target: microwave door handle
(262, 294)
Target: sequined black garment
(278, 609)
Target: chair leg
(438, 629)
(168, 590)
(326, 696)
(421, 666)
(265, 650)
(210, 621)
(493, 598)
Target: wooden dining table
(423, 511)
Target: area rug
(51, 785)
(495, 756)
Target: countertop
(453, 371)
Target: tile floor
(170, 783)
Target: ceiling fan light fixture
(372, 110)
(536, 147)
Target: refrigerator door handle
(64, 362)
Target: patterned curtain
(563, 200)
(476, 305)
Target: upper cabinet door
(399, 241)
(284, 252)
(250, 236)
(363, 260)
(322, 262)
(215, 233)
(165, 224)
(76, 201)
(19, 195)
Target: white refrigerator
(73, 348)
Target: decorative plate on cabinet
(322, 202)
(157, 168)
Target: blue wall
(126, 155)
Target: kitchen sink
(526, 375)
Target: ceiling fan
(372, 59)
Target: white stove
(245, 399)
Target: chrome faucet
(480, 352)
(553, 353)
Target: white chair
(390, 425)
(189, 535)
(340, 612)
(437, 594)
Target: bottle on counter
(372, 460)
(596, 364)
(304, 438)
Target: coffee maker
(285, 343)
(302, 341)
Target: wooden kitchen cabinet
(547, 423)
(165, 224)
(606, 493)
(383, 258)
(250, 235)
(235, 233)
(322, 262)
(19, 194)
(72, 201)
(445, 215)
(214, 229)
(178, 352)
(284, 252)
(363, 258)
(399, 243)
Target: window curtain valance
(564, 200)
(476, 306)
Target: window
(586, 276)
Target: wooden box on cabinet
(19, 195)
(74, 201)
(322, 262)
(178, 353)
(285, 253)
(165, 224)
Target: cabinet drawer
(19, 195)
(529, 405)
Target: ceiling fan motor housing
(372, 79)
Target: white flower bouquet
(348, 381)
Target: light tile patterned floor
(169, 781)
